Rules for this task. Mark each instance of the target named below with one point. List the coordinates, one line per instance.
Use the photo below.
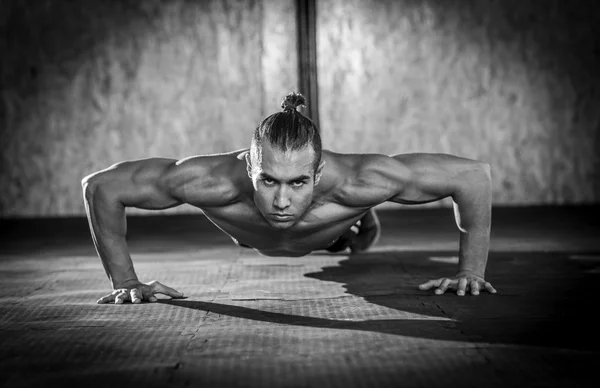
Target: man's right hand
(136, 292)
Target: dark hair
(289, 129)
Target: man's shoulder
(361, 165)
(218, 176)
(360, 179)
(211, 161)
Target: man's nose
(282, 199)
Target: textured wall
(513, 83)
(88, 84)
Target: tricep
(137, 183)
(421, 178)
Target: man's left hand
(463, 282)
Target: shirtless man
(285, 196)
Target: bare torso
(328, 216)
(318, 229)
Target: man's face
(283, 183)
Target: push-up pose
(284, 196)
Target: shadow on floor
(388, 326)
(543, 300)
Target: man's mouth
(281, 217)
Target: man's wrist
(463, 272)
(124, 283)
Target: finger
(462, 286)
(121, 297)
(431, 283)
(474, 287)
(148, 295)
(489, 288)
(106, 299)
(161, 288)
(135, 296)
(442, 288)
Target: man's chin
(281, 224)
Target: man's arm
(422, 178)
(106, 195)
(436, 176)
(147, 184)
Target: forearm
(108, 227)
(472, 210)
(473, 253)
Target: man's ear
(319, 172)
(249, 164)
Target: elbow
(473, 201)
(475, 180)
(85, 182)
(98, 180)
(487, 179)
(89, 186)
(479, 183)
(482, 177)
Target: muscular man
(285, 196)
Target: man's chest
(318, 229)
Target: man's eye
(298, 183)
(268, 181)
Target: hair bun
(293, 101)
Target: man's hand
(136, 292)
(462, 283)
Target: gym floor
(325, 320)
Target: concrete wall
(88, 84)
(515, 83)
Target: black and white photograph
(299, 193)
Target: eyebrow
(298, 178)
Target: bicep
(424, 178)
